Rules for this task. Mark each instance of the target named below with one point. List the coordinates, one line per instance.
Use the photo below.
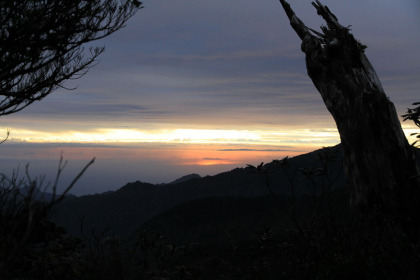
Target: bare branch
(70, 186)
(7, 137)
(300, 28)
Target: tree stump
(380, 164)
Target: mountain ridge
(126, 209)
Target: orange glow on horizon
(214, 162)
(178, 147)
(181, 154)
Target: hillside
(126, 209)
(288, 217)
(218, 220)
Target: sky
(203, 87)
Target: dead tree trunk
(379, 162)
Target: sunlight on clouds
(210, 161)
(206, 136)
(181, 147)
(308, 136)
(293, 137)
(410, 129)
(177, 136)
(193, 136)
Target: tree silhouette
(380, 164)
(42, 44)
(413, 114)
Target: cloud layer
(216, 65)
(225, 64)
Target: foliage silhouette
(42, 44)
(29, 243)
(36, 59)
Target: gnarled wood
(379, 162)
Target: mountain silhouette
(126, 209)
(186, 178)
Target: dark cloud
(257, 150)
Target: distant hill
(37, 194)
(125, 210)
(186, 178)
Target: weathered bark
(380, 164)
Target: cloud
(223, 64)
